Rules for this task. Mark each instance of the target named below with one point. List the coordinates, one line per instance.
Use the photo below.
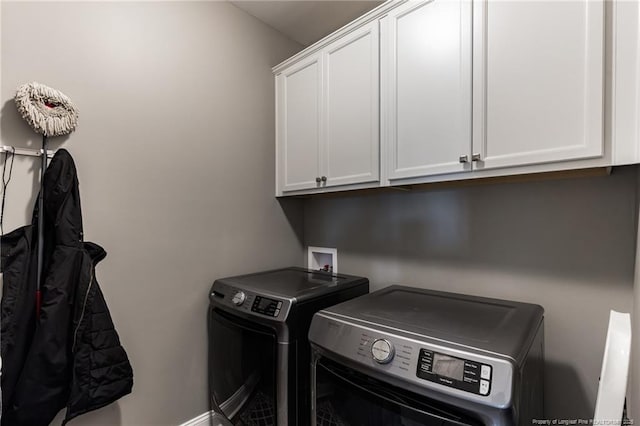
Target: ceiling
(306, 21)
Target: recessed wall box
(322, 258)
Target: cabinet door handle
(324, 178)
(476, 157)
(464, 158)
(318, 180)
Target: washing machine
(259, 355)
(408, 356)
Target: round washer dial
(382, 351)
(238, 298)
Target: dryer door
(242, 365)
(345, 397)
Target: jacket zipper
(84, 306)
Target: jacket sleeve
(101, 369)
(17, 306)
(43, 388)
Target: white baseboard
(203, 419)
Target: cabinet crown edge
(372, 15)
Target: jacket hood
(62, 211)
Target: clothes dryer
(259, 354)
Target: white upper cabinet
(327, 114)
(298, 110)
(538, 81)
(420, 91)
(351, 150)
(426, 87)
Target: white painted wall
(568, 245)
(175, 155)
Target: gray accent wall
(634, 384)
(175, 155)
(568, 245)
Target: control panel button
(382, 351)
(484, 387)
(238, 298)
(485, 372)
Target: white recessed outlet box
(322, 259)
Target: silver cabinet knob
(464, 158)
(318, 180)
(324, 178)
(476, 157)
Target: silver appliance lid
(293, 283)
(497, 326)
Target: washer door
(344, 397)
(242, 365)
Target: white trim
(624, 99)
(1, 94)
(203, 419)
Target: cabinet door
(539, 81)
(426, 80)
(299, 108)
(351, 150)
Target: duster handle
(41, 226)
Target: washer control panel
(467, 375)
(266, 306)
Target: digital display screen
(264, 303)
(447, 366)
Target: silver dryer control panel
(430, 364)
(266, 306)
(249, 302)
(470, 376)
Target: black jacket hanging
(71, 356)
